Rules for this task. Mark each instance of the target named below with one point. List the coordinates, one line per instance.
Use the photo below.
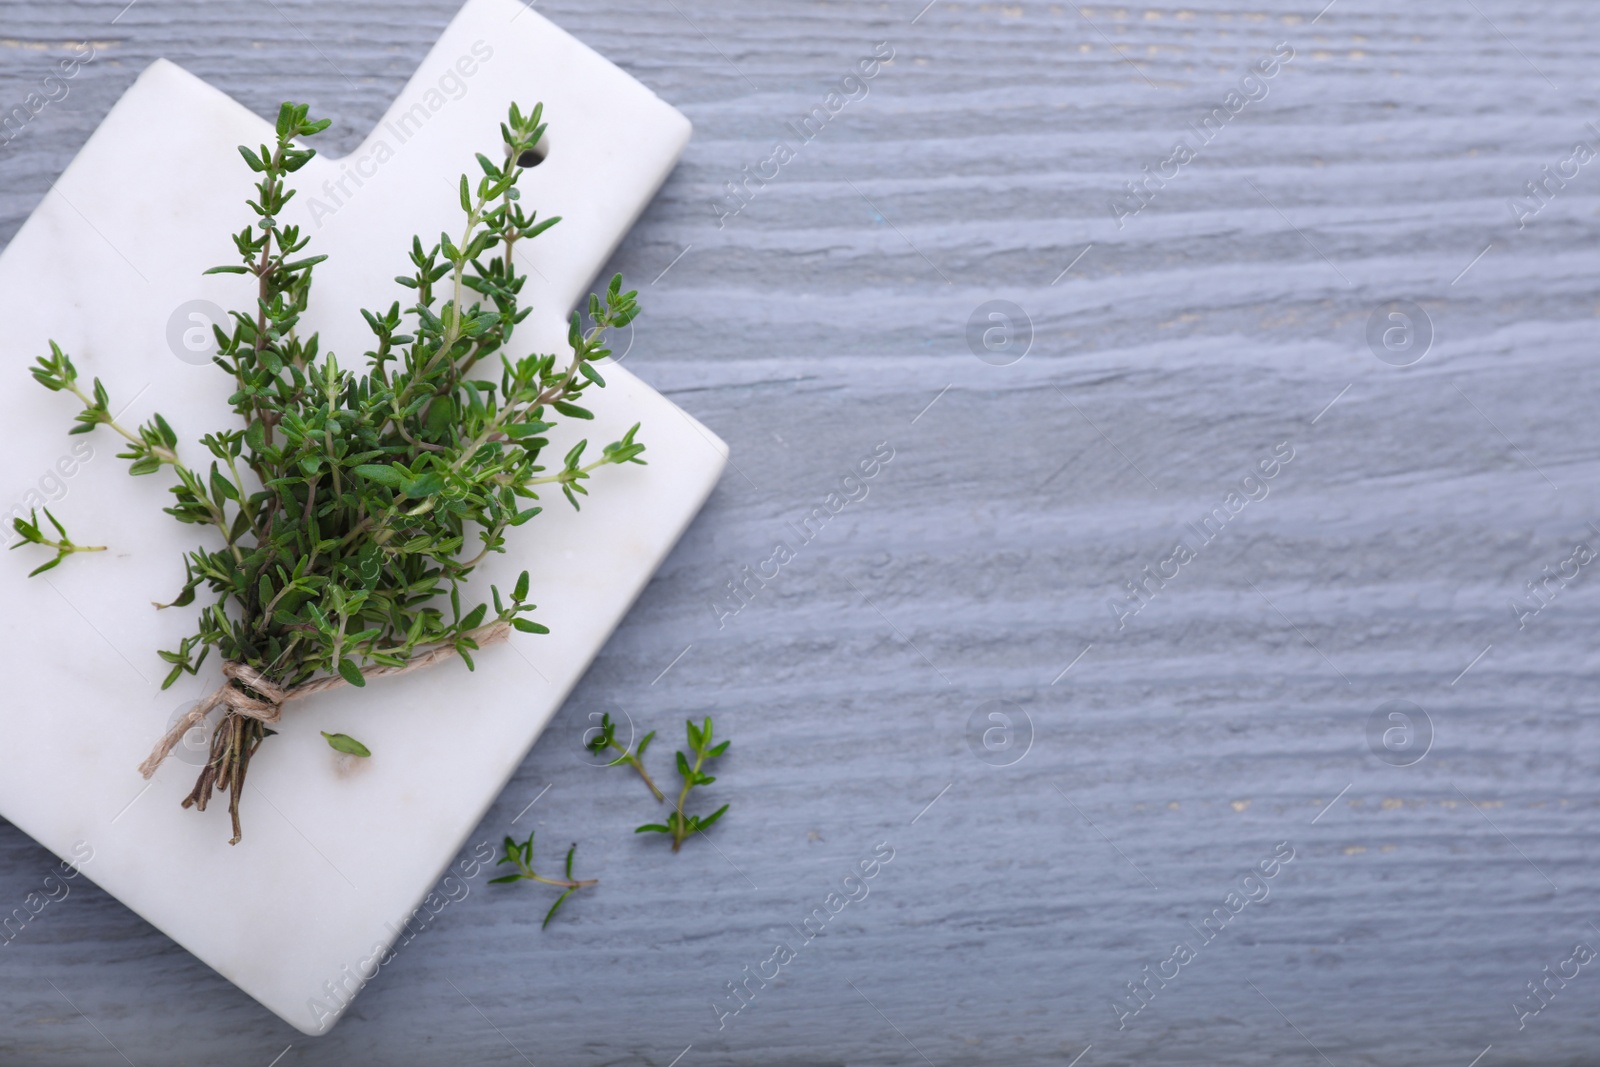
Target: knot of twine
(267, 703)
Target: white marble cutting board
(334, 856)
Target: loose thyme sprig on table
(522, 856)
(679, 824)
(339, 504)
(607, 738)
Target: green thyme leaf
(346, 744)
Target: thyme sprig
(340, 505)
(606, 738)
(521, 855)
(28, 529)
(679, 824)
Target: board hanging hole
(535, 155)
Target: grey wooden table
(1158, 746)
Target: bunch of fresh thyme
(341, 503)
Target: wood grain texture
(1229, 715)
